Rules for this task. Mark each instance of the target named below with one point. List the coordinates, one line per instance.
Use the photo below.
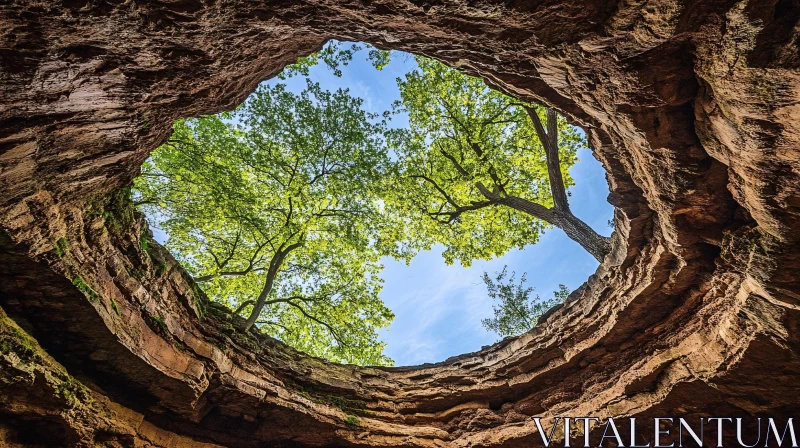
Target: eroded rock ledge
(691, 106)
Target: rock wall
(691, 106)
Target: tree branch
(453, 215)
(438, 188)
(324, 324)
(269, 322)
(476, 148)
(250, 265)
(549, 141)
(536, 210)
(455, 162)
(243, 306)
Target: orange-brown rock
(692, 107)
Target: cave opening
(372, 165)
(691, 107)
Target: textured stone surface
(691, 106)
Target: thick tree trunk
(577, 230)
(580, 232)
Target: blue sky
(438, 308)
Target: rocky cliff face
(692, 107)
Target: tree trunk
(274, 266)
(560, 215)
(262, 297)
(577, 230)
(580, 232)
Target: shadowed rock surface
(691, 106)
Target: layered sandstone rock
(691, 106)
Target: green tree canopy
(272, 209)
(516, 311)
(335, 54)
(283, 208)
(478, 171)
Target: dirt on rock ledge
(691, 106)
